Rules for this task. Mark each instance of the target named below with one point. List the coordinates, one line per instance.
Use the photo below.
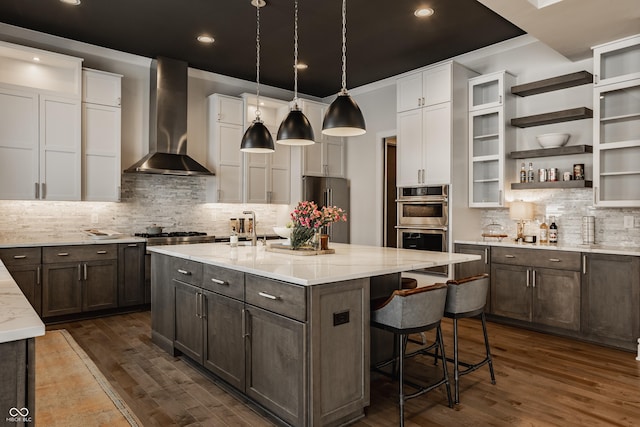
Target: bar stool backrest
(467, 295)
(412, 308)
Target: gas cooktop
(176, 237)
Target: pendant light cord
(344, 47)
(295, 56)
(257, 61)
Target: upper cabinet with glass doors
(616, 125)
(490, 138)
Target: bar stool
(409, 311)
(467, 298)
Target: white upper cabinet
(101, 135)
(428, 87)
(425, 124)
(617, 61)
(491, 138)
(267, 176)
(225, 130)
(326, 156)
(616, 124)
(40, 119)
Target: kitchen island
(289, 332)
(19, 325)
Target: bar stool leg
(444, 365)
(401, 380)
(486, 345)
(456, 368)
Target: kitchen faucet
(254, 236)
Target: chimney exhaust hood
(168, 123)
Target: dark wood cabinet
(25, 266)
(473, 268)
(275, 364)
(611, 299)
(79, 278)
(189, 327)
(524, 287)
(162, 302)
(131, 274)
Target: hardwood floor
(542, 380)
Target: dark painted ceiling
(384, 38)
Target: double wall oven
(423, 221)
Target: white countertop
(71, 239)
(18, 320)
(599, 249)
(348, 262)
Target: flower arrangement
(308, 219)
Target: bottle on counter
(544, 233)
(553, 232)
(233, 239)
(531, 175)
(523, 173)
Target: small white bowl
(283, 232)
(553, 140)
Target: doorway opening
(390, 213)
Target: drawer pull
(266, 295)
(63, 253)
(101, 252)
(554, 259)
(509, 256)
(219, 282)
(19, 256)
(185, 272)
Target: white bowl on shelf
(553, 140)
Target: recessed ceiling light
(72, 2)
(205, 39)
(424, 12)
(301, 66)
(36, 59)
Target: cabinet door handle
(245, 333)
(596, 79)
(203, 307)
(43, 190)
(133, 245)
(38, 275)
(198, 305)
(85, 272)
(527, 277)
(79, 272)
(37, 191)
(534, 278)
(509, 256)
(500, 198)
(554, 259)
(63, 253)
(596, 196)
(101, 252)
(266, 295)
(486, 255)
(185, 272)
(19, 256)
(219, 282)
(584, 264)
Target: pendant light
(343, 117)
(295, 129)
(257, 138)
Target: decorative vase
(302, 237)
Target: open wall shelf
(551, 184)
(554, 83)
(554, 117)
(551, 152)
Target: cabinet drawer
(223, 281)
(279, 297)
(21, 256)
(541, 258)
(186, 271)
(55, 254)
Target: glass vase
(302, 237)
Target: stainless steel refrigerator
(329, 192)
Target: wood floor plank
(542, 380)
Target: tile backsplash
(568, 206)
(174, 202)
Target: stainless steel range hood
(168, 123)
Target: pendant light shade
(257, 138)
(295, 129)
(343, 117)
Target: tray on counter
(286, 249)
(96, 234)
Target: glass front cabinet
(490, 138)
(616, 124)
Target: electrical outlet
(94, 218)
(628, 221)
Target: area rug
(71, 391)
